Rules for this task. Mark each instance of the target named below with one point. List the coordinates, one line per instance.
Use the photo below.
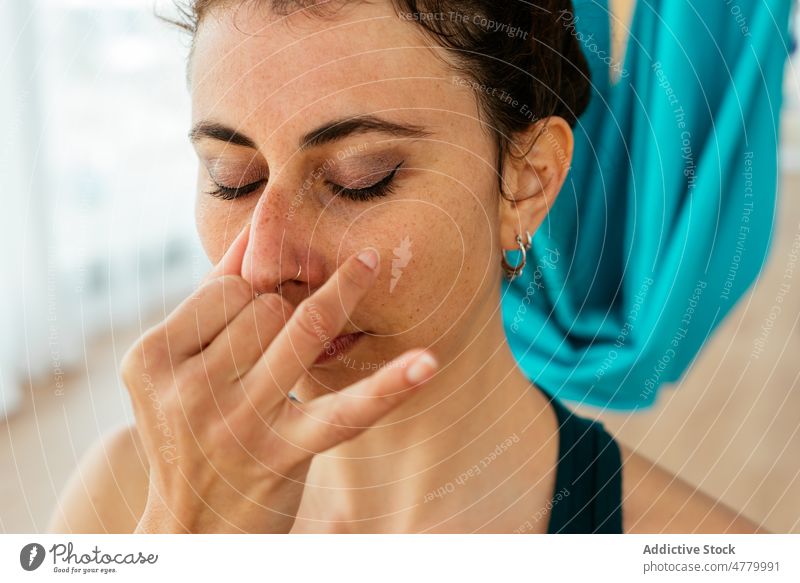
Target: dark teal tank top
(588, 492)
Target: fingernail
(369, 257)
(421, 368)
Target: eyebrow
(217, 131)
(324, 134)
(342, 128)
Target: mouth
(338, 346)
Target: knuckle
(154, 340)
(272, 305)
(148, 353)
(195, 373)
(208, 287)
(313, 321)
(130, 366)
(191, 387)
(224, 286)
(234, 288)
(355, 275)
(339, 426)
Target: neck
(473, 451)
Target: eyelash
(377, 190)
(227, 193)
(382, 188)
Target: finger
(237, 348)
(231, 262)
(198, 320)
(337, 417)
(316, 321)
(195, 323)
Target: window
(101, 197)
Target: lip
(338, 346)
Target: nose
(278, 246)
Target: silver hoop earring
(528, 241)
(512, 272)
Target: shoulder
(108, 490)
(656, 501)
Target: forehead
(271, 74)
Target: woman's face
(416, 179)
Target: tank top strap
(588, 492)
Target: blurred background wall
(98, 178)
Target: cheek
(217, 223)
(203, 220)
(435, 253)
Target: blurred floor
(42, 443)
(730, 427)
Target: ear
(533, 181)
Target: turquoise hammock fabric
(665, 220)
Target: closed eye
(229, 193)
(382, 188)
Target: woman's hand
(228, 451)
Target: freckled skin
(276, 86)
(444, 221)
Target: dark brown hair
(524, 62)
